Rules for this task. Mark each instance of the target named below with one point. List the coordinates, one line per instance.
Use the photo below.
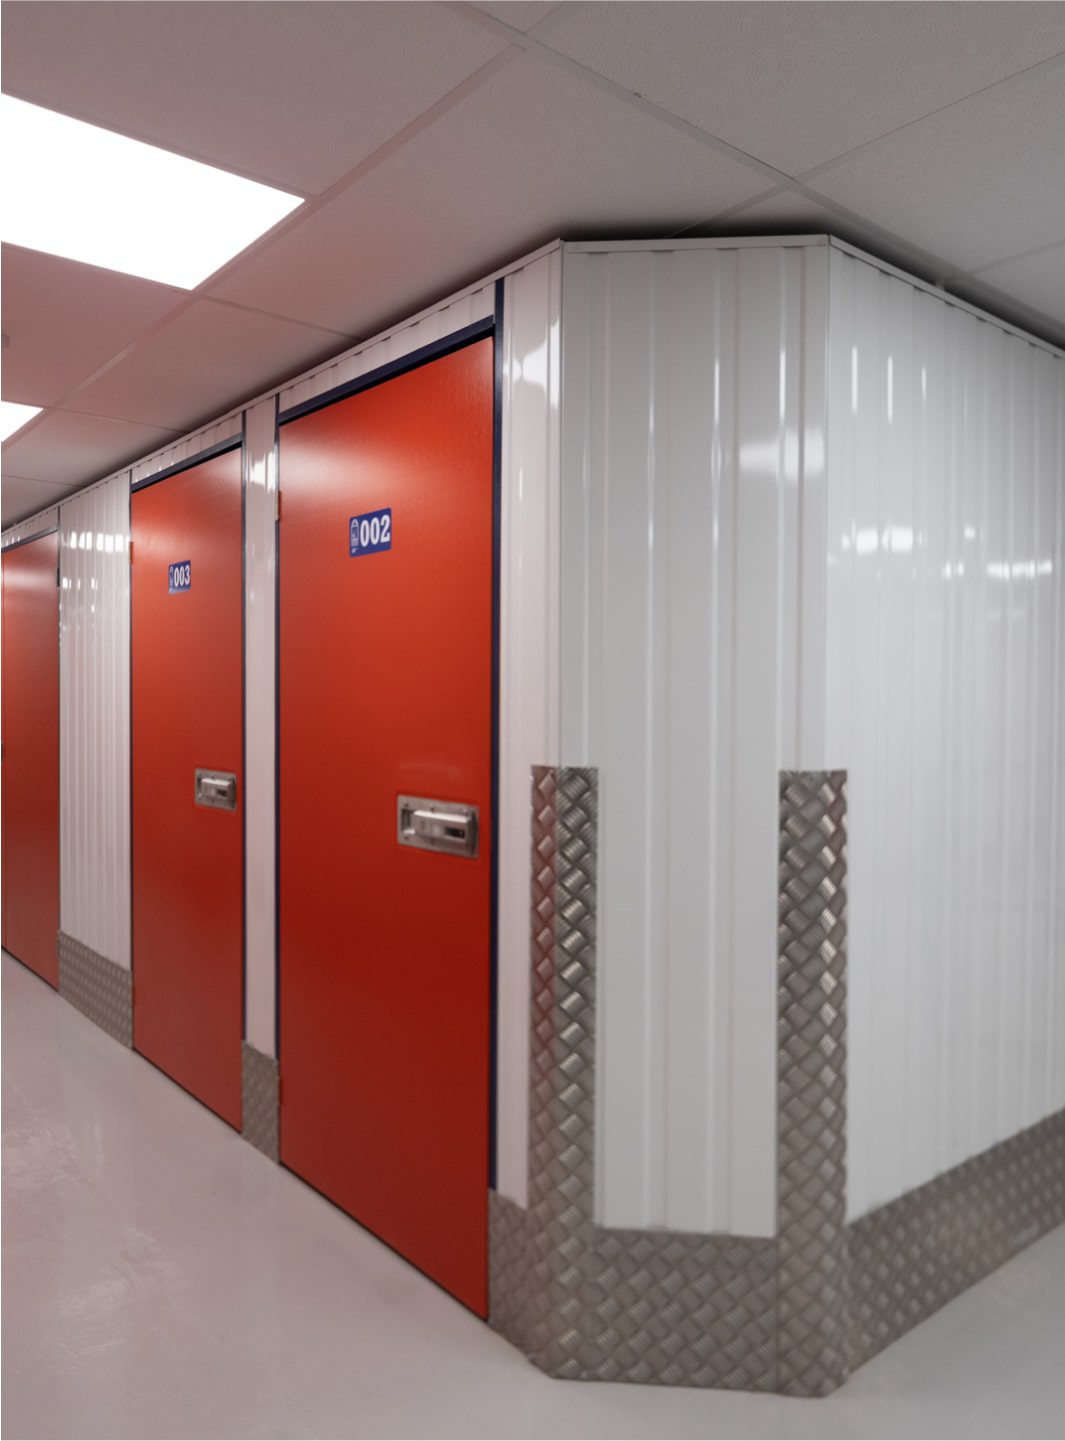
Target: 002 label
(179, 577)
(370, 533)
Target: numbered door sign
(179, 577)
(370, 533)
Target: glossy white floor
(161, 1278)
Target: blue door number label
(370, 533)
(179, 577)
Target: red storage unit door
(386, 691)
(187, 716)
(31, 754)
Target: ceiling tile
(295, 92)
(67, 448)
(207, 360)
(530, 155)
(20, 497)
(1035, 280)
(65, 320)
(975, 183)
(522, 14)
(784, 208)
(797, 83)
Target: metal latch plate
(446, 826)
(216, 789)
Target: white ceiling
(433, 142)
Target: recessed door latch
(437, 826)
(216, 789)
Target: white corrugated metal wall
(94, 840)
(944, 701)
(693, 473)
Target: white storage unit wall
(767, 505)
(94, 733)
(693, 481)
(944, 702)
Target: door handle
(437, 826)
(216, 789)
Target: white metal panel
(687, 437)
(529, 664)
(94, 723)
(944, 636)
(260, 669)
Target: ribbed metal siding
(944, 701)
(94, 719)
(693, 462)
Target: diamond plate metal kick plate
(260, 1097)
(97, 987)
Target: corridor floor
(161, 1278)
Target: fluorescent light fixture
(13, 417)
(88, 194)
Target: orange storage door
(31, 755)
(187, 716)
(386, 691)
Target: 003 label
(179, 577)
(370, 533)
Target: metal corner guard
(97, 987)
(812, 1317)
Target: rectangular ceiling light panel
(88, 194)
(13, 417)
